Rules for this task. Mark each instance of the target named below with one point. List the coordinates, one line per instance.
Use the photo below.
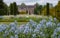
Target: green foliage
(22, 12)
(38, 9)
(57, 10)
(3, 8)
(23, 4)
(47, 10)
(13, 9)
(20, 19)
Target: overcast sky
(31, 2)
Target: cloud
(31, 2)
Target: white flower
(17, 31)
(33, 35)
(36, 31)
(50, 18)
(59, 36)
(15, 22)
(58, 24)
(55, 19)
(27, 16)
(6, 33)
(57, 30)
(16, 36)
(42, 34)
(11, 36)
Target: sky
(31, 2)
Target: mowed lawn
(19, 23)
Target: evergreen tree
(15, 8)
(1, 7)
(47, 10)
(23, 5)
(11, 9)
(5, 9)
(38, 9)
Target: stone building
(29, 9)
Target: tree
(13, 9)
(23, 4)
(1, 7)
(1, 4)
(58, 7)
(57, 10)
(38, 9)
(5, 9)
(47, 10)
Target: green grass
(19, 23)
(22, 19)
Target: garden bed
(46, 28)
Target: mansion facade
(29, 9)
